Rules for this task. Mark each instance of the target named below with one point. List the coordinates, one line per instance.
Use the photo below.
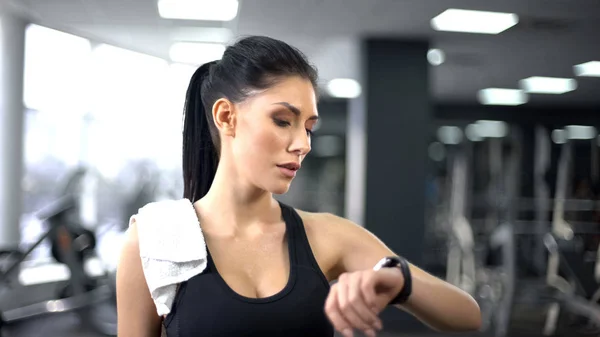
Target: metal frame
(566, 289)
(493, 287)
(82, 299)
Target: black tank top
(205, 306)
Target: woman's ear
(224, 115)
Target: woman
(248, 124)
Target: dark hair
(253, 63)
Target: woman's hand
(356, 300)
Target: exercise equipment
(81, 294)
(569, 292)
(498, 271)
(469, 249)
(460, 269)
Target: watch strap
(402, 264)
(406, 290)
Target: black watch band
(402, 264)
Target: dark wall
(398, 107)
(333, 115)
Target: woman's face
(273, 134)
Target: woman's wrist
(402, 266)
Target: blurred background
(463, 134)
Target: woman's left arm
(441, 305)
(436, 303)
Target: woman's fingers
(334, 313)
(352, 304)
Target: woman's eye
(282, 122)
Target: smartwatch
(402, 264)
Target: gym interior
(463, 134)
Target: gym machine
(569, 293)
(82, 294)
(468, 266)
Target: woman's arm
(440, 305)
(136, 311)
(435, 302)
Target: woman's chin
(280, 188)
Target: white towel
(172, 248)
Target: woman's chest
(252, 268)
(207, 307)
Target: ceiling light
(450, 135)
(589, 69)
(468, 21)
(499, 96)
(580, 132)
(207, 10)
(492, 129)
(472, 133)
(436, 57)
(344, 88)
(486, 129)
(436, 151)
(201, 34)
(196, 53)
(559, 136)
(548, 85)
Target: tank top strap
(298, 239)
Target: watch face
(387, 262)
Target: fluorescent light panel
(547, 85)
(581, 132)
(472, 133)
(450, 135)
(588, 69)
(202, 34)
(491, 129)
(206, 10)
(344, 88)
(486, 129)
(559, 136)
(469, 21)
(500, 96)
(196, 53)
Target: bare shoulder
(321, 224)
(346, 245)
(321, 237)
(333, 226)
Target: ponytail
(200, 155)
(251, 65)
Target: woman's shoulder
(323, 228)
(329, 236)
(325, 223)
(332, 228)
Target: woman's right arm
(136, 311)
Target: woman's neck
(231, 206)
